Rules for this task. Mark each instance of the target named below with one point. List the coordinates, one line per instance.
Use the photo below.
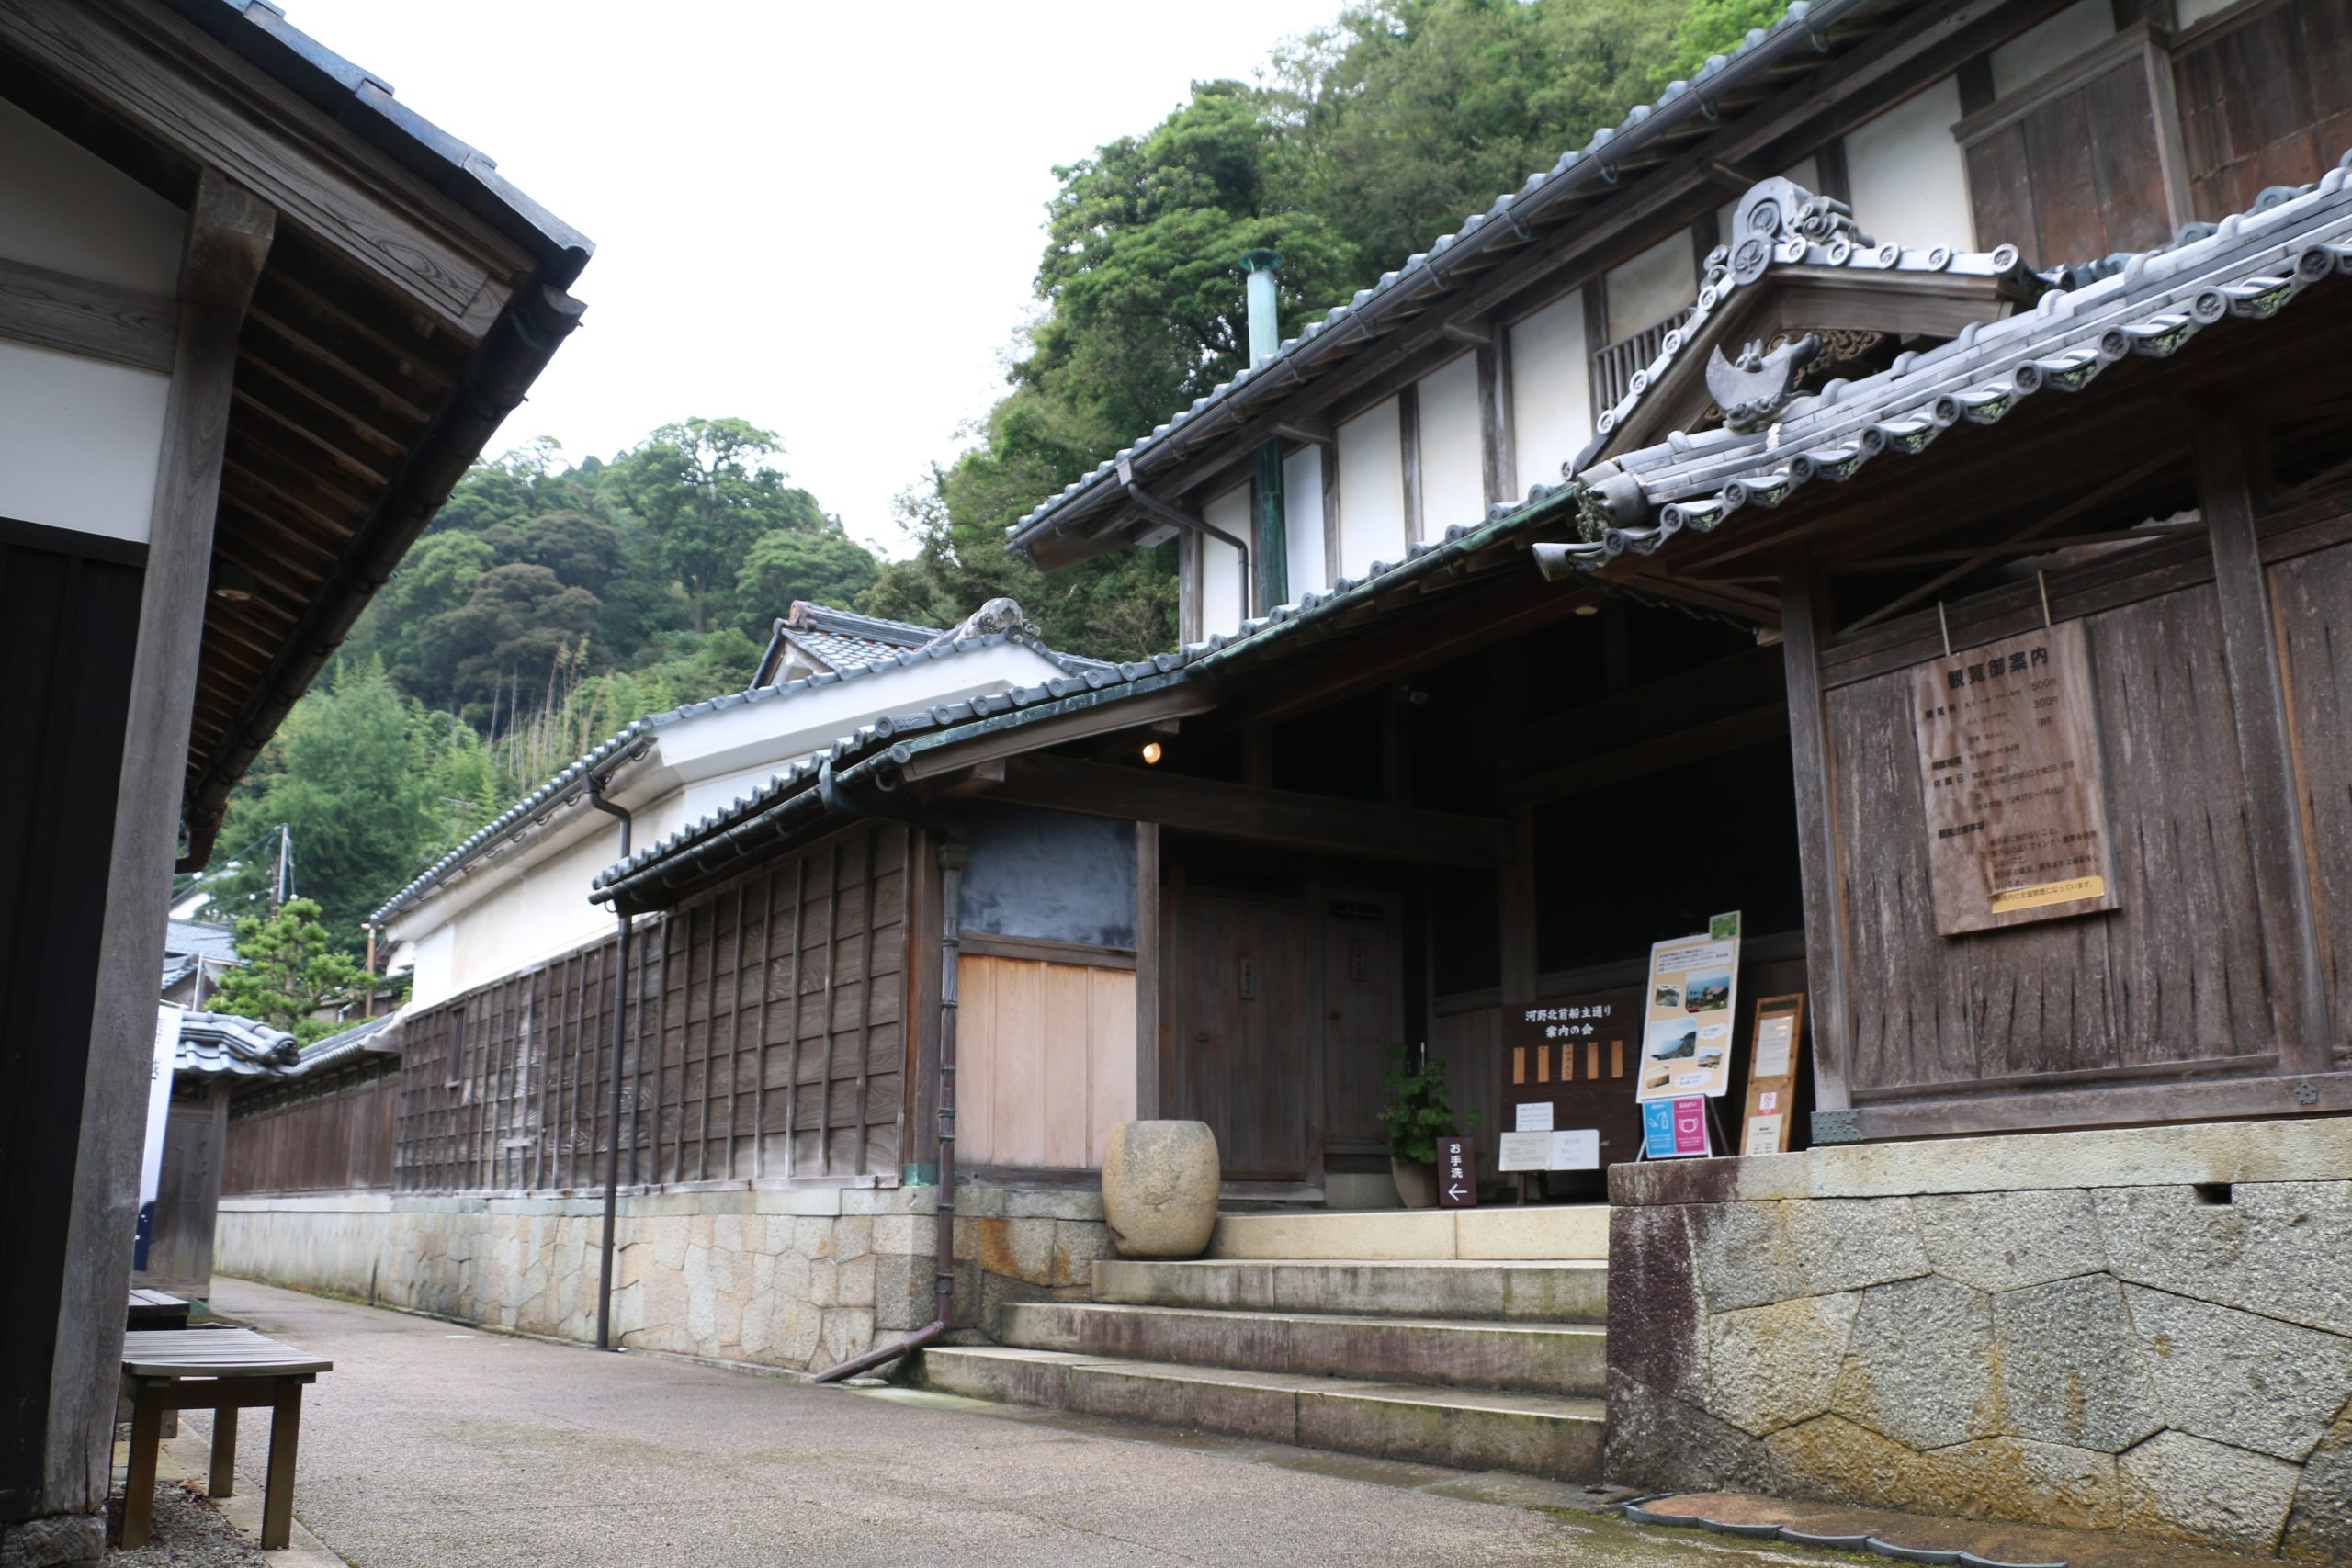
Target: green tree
(291, 967)
(825, 567)
(705, 490)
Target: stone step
(1540, 1357)
(1574, 1291)
(1543, 1233)
(1534, 1434)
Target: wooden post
(2259, 703)
(277, 1490)
(229, 236)
(1408, 456)
(222, 1483)
(139, 1480)
(1146, 971)
(1825, 939)
(1499, 463)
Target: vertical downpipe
(952, 857)
(613, 1144)
(1273, 586)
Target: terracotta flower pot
(1416, 1182)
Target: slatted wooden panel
(782, 1043)
(509, 1087)
(334, 1136)
(2266, 102)
(1045, 1062)
(2183, 972)
(2076, 178)
(2312, 595)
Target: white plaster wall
(1372, 490)
(2046, 46)
(1453, 464)
(1550, 390)
(1303, 521)
(1910, 183)
(433, 967)
(64, 208)
(79, 441)
(1222, 605)
(1651, 286)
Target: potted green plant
(1419, 1112)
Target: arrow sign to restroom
(1457, 1173)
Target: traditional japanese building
(1889, 489)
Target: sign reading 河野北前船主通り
(1687, 1015)
(2009, 762)
(1568, 1062)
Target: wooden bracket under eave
(229, 234)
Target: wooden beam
(1818, 855)
(2110, 1105)
(1252, 814)
(98, 320)
(1114, 713)
(225, 221)
(2274, 817)
(1148, 971)
(177, 87)
(1691, 743)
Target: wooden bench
(222, 1370)
(154, 1309)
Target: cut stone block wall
(798, 1278)
(2147, 1329)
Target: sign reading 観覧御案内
(2009, 762)
(1687, 1015)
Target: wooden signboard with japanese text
(1457, 1173)
(2009, 762)
(1775, 1059)
(1567, 1082)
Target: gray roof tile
(222, 1044)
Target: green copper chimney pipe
(1265, 337)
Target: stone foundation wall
(799, 1278)
(2147, 1329)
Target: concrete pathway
(431, 1446)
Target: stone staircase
(1468, 1339)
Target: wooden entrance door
(1363, 1008)
(1241, 1046)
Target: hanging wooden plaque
(2009, 762)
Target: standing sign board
(1677, 1129)
(1457, 1174)
(1687, 1013)
(1774, 1060)
(1568, 1100)
(2009, 762)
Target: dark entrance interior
(1640, 759)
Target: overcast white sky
(821, 218)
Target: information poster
(1568, 1064)
(2009, 762)
(1677, 1129)
(1775, 1060)
(1687, 1014)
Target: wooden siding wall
(331, 1136)
(2312, 596)
(508, 1089)
(781, 1037)
(2199, 972)
(2265, 101)
(1046, 1062)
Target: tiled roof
(362, 103)
(360, 1037)
(2249, 267)
(1802, 26)
(177, 967)
(210, 940)
(222, 1044)
(511, 822)
(891, 736)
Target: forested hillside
(551, 603)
